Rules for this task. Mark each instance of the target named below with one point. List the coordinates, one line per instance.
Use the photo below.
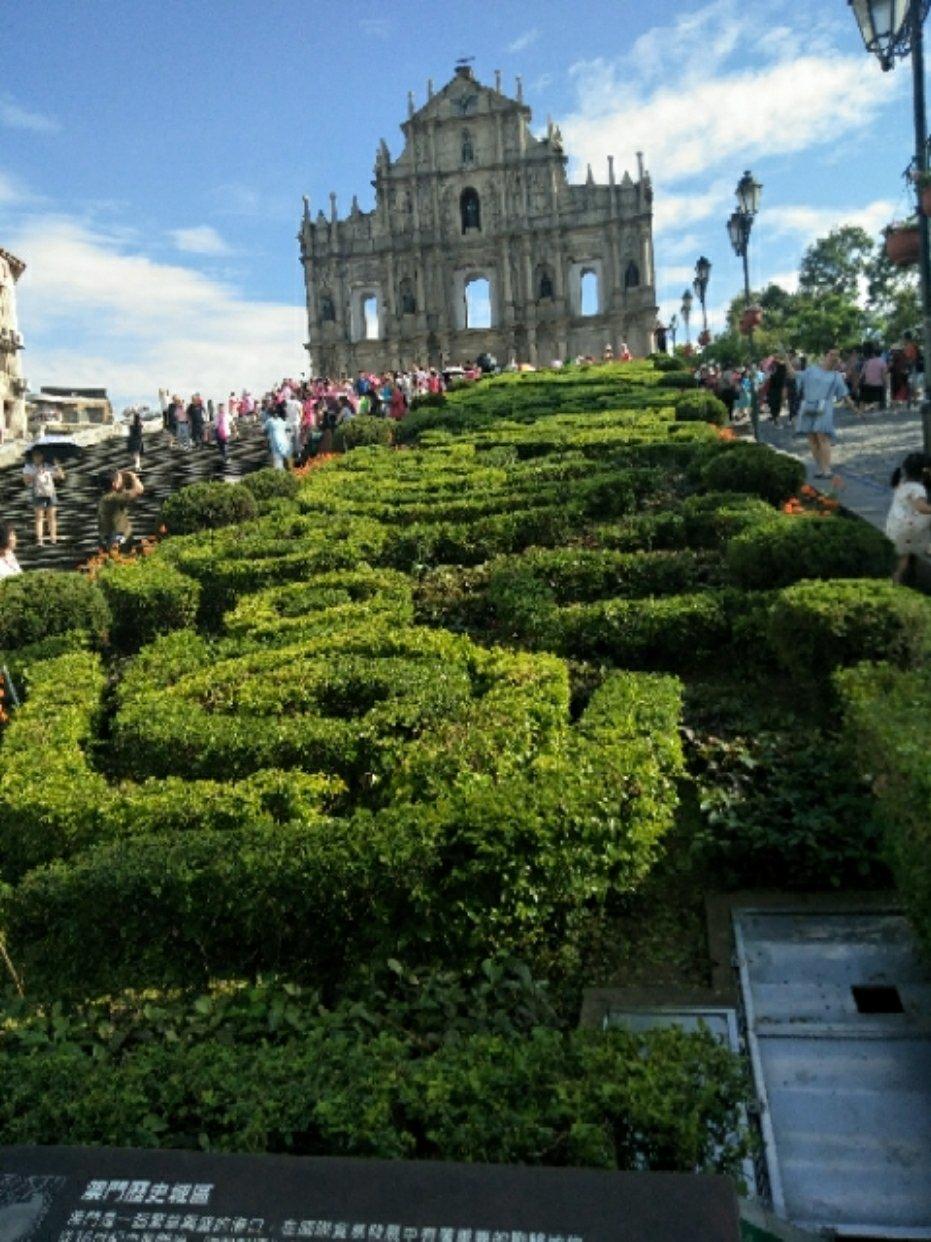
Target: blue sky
(153, 153)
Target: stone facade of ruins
(12, 384)
(473, 198)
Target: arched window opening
(589, 292)
(478, 303)
(468, 151)
(632, 276)
(370, 317)
(545, 286)
(327, 310)
(406, 297)
(470, 210)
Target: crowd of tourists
(300, 417)
(876, 377)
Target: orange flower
(808, 490)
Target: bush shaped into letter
(815, 627)
(147, 597)
(788, 549)
(755, 469)
(48, 602)
(701, 407)
(205, 506)
(325, 603)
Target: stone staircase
(164, 470)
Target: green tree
(893, 301)
(836, 264)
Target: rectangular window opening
(877, 998)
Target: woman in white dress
(908, 523)
(9, 565)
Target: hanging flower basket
(902, 244)
(926, 199)
(704, 338)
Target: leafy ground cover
(291, 794)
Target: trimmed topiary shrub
(668, 362)
(363, 430)
(467, 1068)
(48, 602)
(787, 549)
(701, 407)
(147, 597)
(713, 520)
(755, 469)
(674, 633)
(50, 800)
(205, 506)
(269, 484)
(887, 723)
(675, 379)
(815, 627)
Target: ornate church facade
(12, 384)
(479, 244)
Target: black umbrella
(56, 448)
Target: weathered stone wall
(474, 195)
(12, 385)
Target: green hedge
(271, 484)
(46, 603)
(50, 799)
(515, 597)
(363, 430)
(815, 627)
(500, 825)
(206, 506)
(887, 722)
(326, 603)
(147, 597)
(268, 1068)
(701, 407)
(788, 549)
(675, 633)
(755, 469)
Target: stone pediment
(461, 99)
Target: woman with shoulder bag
(821, 387)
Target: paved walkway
(868, 449)
(164, 470)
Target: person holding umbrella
(40, 477)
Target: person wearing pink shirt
(873, 381)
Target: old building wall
(475, 196)
(12, 384)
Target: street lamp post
(739, 227)
(894, 29)
(673, 329)
(700, 285)
(686, 312)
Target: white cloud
(525, 40)
(676, 211)
(692, 100)
(13, 192)
(785, 280)
(811, 222)
(14, 116)
(134, 325)
(201, 239)
(676, 274)
(375, 27)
